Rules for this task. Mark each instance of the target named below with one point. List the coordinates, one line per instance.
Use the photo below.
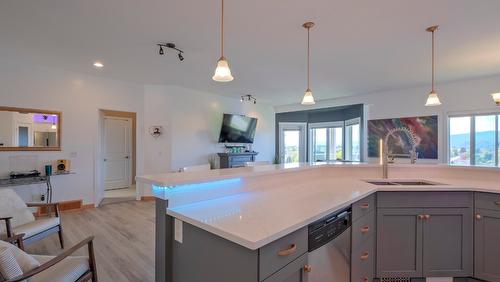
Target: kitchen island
(245, 212)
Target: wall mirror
(29, 129)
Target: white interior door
(116, 152)
(292, 142)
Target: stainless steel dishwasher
(330, 248)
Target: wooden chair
(34, 229)
(60, 268)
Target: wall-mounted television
(237, 129)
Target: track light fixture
(170, 46)
(248, 98)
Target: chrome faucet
(389, 158)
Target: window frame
(352, 122)
(472, 137)
(327, 125)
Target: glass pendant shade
(433, 100)
(222, 72)
(308, 98)
(53, 126)
(496, 98)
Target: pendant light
(432, 99)
(308, 96)
(496, 98)
(222, 72)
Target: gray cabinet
(293, 272)
(429, 235)
(487, 237)
(230, 160)
(399, 243)
(447, 242)
(363, 240)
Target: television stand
(231, 160)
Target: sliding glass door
(326, 141)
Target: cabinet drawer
(279, 253)
(488, 201)
(424, 199)
(293, 272)
(363, 261)
(363, 229)
(363, 207)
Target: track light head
(161, 51)
(181, 58)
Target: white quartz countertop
(259, 216)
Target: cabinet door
(487, 245)
(447, 242)
(293, 272)
(399, 243)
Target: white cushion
(9, 268)
(67, 270)
(32, 228)
(11, 205)
(25, 261)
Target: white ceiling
(358, 47)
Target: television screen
(237, 129)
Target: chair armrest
(18, 238)
(54, 261)
(8, 226)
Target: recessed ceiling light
(98, 64)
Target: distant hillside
(483, 139)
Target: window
(326, 141)
(473, 140)
(353, 140)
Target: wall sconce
(248, 98)
(156, 131)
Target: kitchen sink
(401, 182)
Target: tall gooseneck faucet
(384, 147)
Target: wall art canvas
(424, 131)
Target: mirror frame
(35, 111)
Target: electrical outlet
(42, 197)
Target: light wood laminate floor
(124, 239)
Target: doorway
(292, 142)
(117, 157)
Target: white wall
(78, 97)
(461, 96)
(191, 121)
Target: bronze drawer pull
(364, 256)
(365, 279)
(497, 203)
(307, 268)
(421, 216)
(478, 217)
(365, 229)
(289, 251)
(365, 206)
(427, 216)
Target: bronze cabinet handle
(427, 216)
(365, 229)
(287, 252)
(478, 216)
(307, 268)
(365, 279)
(497, 203)
(365, 206)
(421, 216)
(364, 256)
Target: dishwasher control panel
(328, 228)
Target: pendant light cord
(308, 60)
(222, 31)
(433, 63)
